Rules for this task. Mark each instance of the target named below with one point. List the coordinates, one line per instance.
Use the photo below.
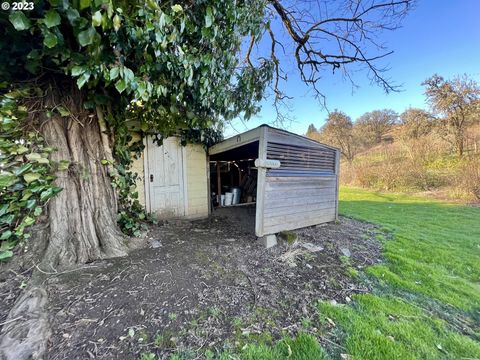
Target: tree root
(27, 330)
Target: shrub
(468, 178)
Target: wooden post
(337, 174)
(219, 185)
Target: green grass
(302, 347)
(428, 285)
(436, 251)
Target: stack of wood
(249, 187)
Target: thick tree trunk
(82, 217)
(81, 225)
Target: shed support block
(268, 240)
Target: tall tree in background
(339, 131)
(311, 130)
(416, 122)
(372, 126)
(457, 102)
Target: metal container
(237, 192)
(228, 198)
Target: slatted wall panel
(296, 202)
(298, 160)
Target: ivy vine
(26, 183)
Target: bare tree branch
(348, 37)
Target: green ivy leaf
(7, 179)
(3, 209)
(47, 194)
(50, 192)
(177, 8)
(208, 17)
(21, 150)
(97, 18)
(120, 85)
(22, 169)
(77, 70)
(31, 177)
(6, 254)
(117, 22)
(7, 219)
(50, 40)
(51, 19)
(37, 158)
(6, 235)
(82, 80)
(114, 72)
(72, 15)
(128, 74)
(63, 111)
(30, 204)
(86, 37)
(28, 221)
(19, 21)
(85, 4)
(38, 211)
(63, 165)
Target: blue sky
(438, 36)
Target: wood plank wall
(303, 191)
(296, 202)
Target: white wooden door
(165, 178)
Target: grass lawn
(426, 303)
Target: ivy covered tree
(81, 71)
(75, 76)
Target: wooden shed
(173, 179)
(295, 179)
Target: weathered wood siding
(195, 160)
(304, 190)
(296, 202)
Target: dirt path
(204, 284)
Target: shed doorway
(233, 183)
(165, 178)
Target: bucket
(228, 198)
(237, 192)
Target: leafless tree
(339, 131)
(457, 103)
(416, 123)
(372, 126)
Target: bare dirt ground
(204, 284)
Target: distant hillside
(426, 164)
